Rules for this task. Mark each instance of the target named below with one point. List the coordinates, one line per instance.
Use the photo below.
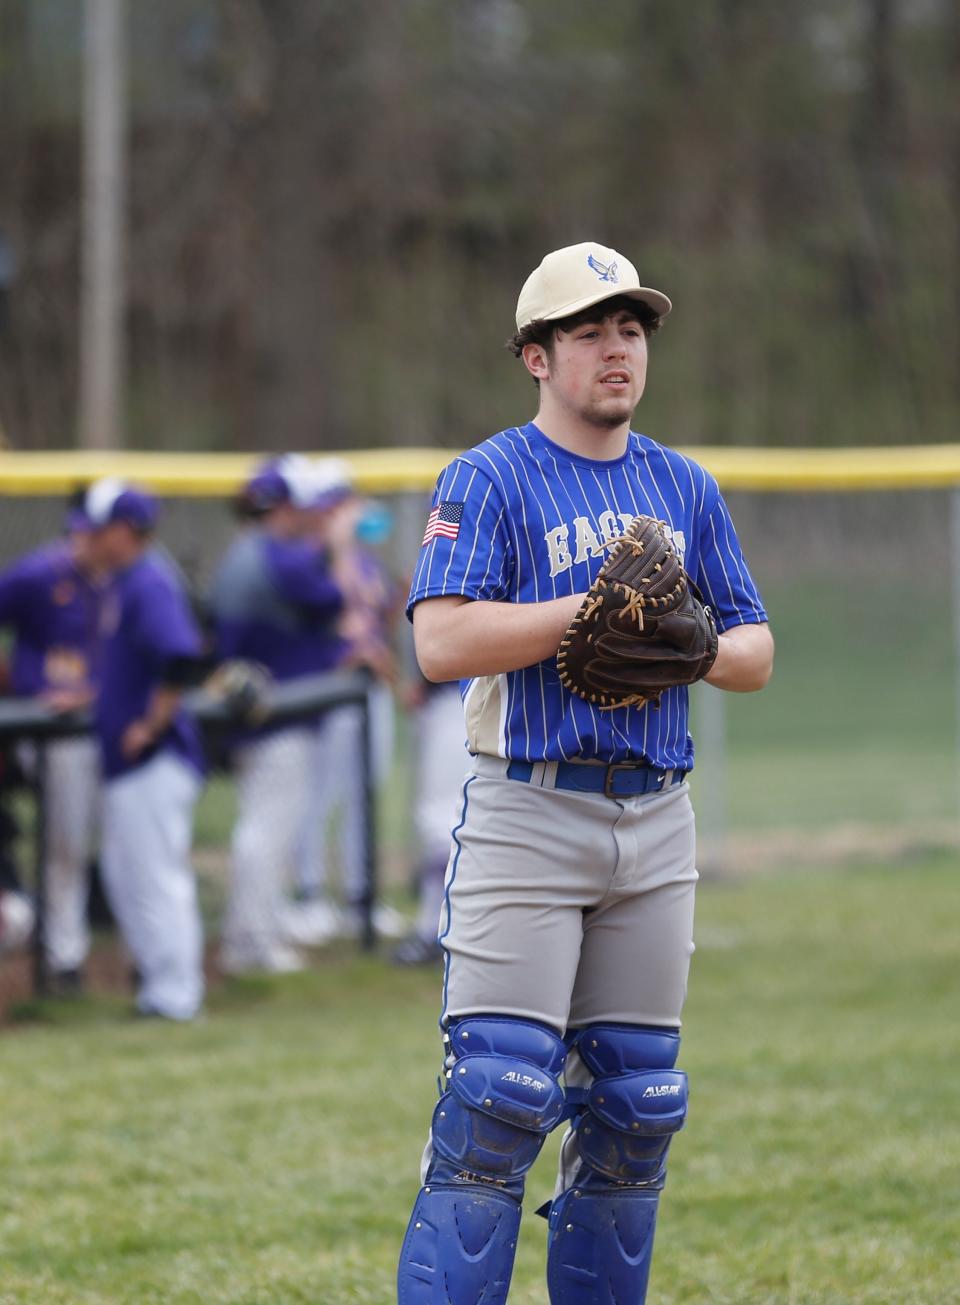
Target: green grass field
(268, 1154)
(858, 724)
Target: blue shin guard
(459, 1247)
(601, 1245)
(602, 1227)
(501, 1100)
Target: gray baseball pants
(569, 908)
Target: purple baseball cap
(111, 499)
(287, 479)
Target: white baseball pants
(147, 833)
(442, 762)
(337, 760)
(72, 800)
(275, 777)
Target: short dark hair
(543, 333)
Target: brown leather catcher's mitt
(642, 627)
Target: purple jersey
(53, 610)
(145, 626)
(275, 602)
(519, 519)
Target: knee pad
(602, 1228)
(501, 1100)
(637, 1101)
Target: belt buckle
(618, 765)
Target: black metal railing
(30, 720)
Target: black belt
(624, 779)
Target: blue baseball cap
(112, 499)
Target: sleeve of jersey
(466, 547)
(723, 574)
(166, 629)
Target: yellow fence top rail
(384, 471)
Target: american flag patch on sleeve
(443, 521)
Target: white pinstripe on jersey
(532, 514)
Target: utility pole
(102, 298)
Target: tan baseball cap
(571, 279)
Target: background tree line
(332, 208)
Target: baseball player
(570, 887)
(275, 600)
(150, 750)
(371, 604)
(50, 599)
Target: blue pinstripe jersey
(530, 522)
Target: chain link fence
(849, 753)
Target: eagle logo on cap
(605, 271)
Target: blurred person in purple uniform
(275, 600)
(150, 750)
(372, 602)
(50, 600)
